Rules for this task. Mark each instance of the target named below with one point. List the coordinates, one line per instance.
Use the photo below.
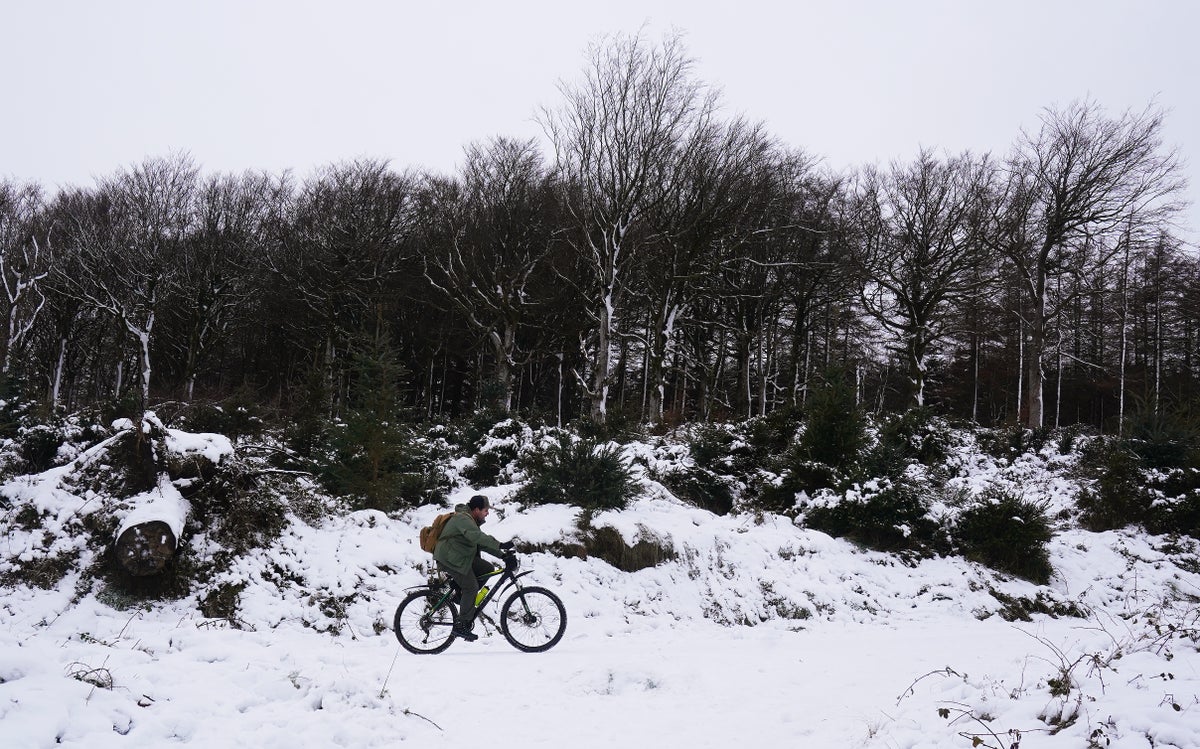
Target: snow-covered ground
(758, 631)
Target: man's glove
(506, 547)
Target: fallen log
(149, 535)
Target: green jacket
(461, 540)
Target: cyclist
(457, 554)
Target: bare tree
(127, 251)
(776, 242)
(495, 234)
(1071, 187)
(24, 263)
(211, 283)
(621, 139)
(921, 251)
(717, 189)
(344, 241)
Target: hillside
(748, 625)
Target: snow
(164, 503)
(759, 630)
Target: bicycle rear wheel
(533, 619)
(422, 626)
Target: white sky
(275, 84)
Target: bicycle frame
(508, 580)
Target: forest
(656, 261)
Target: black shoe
(465, 634)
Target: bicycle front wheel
(422, 626)
(533, 619)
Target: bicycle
(532, 619)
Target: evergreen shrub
(1117, 497)
(724, 450)
(13, 405)
(798, 475)
(725, 459)
(835, 432)
(239, 416)
(619, 425)
(1012, 442)
(476, 426)
(374, 455)
(496, 452)
(39, 447)
(890, 516)
(774, 433)
(916, 436)
(1178, 510)
(41, 442)
(826, 449)
(702, 488)
(578, 472)
(1164, 440)
(1008, 533)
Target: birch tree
(24, 263)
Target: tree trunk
(1035, 376)
(600, 362)
(1034, 399)
(660, 338)
(503, 344)
(60, 364)
(917, 366)
(743, 402)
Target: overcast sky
(90, 87)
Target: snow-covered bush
(798, 477)
(916, 436)
(1141, 480)
(236, 418)
(1007, 532)
(836, 431)
(578, 472)
(725, 450)
(826, 451)
(886, 515)
(37, 443)
(495, 453)
(702, 488)
(721, 463)
(1010, 443)
(1165, 440)
(1176, 506)
(1116, 496)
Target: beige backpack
(430, 533)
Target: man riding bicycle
(457, 554)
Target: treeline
(663, 262)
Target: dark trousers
(469, 583)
